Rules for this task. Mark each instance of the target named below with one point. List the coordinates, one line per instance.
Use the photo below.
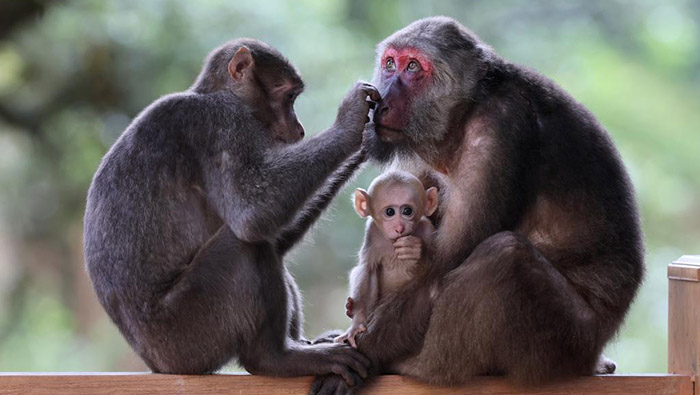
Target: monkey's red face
(405, 72)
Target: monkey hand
(408, 249)
(349, 335)
(349, 307)
(353, 112)
(330, 384)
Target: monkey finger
(357, 366)
(329, 384)
(407, 241)
(404, 246)
(349, 307)
(344, 372)
(372, 104)
(407, 250)
(353, 343)
(317, 385)
(371, 91)
(359, 361)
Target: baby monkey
(397, 206)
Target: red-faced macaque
(397, 205)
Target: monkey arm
(364, 289)
(263, 191)
(292, 233)
(493, 184)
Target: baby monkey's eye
(407, 211)
(390, 212)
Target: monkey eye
(389, 212)
(407, 211)
(413, 66)
(389, 64)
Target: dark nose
(300, 129)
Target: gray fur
(191, 212)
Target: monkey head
(262, 78)
(426, 74)
(396, 201)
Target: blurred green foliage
(73, 74)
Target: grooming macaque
(538, 253)
(194, 207)
(397, 206)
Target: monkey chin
(389, 135)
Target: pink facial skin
(404, 74)
(403, 56)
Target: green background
(74, 73)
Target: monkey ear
(431, 201)
(362, 202)
(241, 63)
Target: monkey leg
(204, 316)
(507, 310)
(274, 350)
(234, 300)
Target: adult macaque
(538, 253)
(397, 206)
(193, 208)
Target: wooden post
(684, 317)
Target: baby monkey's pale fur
(397, 205)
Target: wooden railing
(683, 365)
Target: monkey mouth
(387, 134)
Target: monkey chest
(393, 273)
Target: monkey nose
(380, 112)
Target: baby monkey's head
(396, 200)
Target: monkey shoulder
(198, 119)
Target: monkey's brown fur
(538, 253)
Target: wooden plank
(146, 383)
(684, 316)
(686, 268)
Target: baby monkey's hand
(349, 335)
(409, 249)
(349, 307)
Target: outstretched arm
(293, 233)
(256, 197)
